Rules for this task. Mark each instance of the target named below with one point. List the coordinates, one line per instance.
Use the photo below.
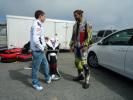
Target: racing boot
(80, 76)
(86, 84)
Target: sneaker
(38, 87)
(54, 77)
(49, 80)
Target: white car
(114, 52)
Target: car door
(129, 62)
(113, 50)
(129, 58)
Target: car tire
(92, 60)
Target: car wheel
(92, 60)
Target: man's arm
(43, 40)
(88, 37)
(90, 34)
(37, 36)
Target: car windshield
(100, 33)
(107, 32)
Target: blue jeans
(39, 59)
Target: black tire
(92, 60)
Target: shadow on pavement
(115, 82)
(69, 77)
(19, 76)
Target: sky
(102, 14)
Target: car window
(3, 36)
(2, 31)
(120, 38)
(100, 33)
(114, 30)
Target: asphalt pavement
(15, 83)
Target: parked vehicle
(102, 33)
(114, 52)
(52, 51)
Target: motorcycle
(52, 51)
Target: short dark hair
(80, 12)
(38, 13)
